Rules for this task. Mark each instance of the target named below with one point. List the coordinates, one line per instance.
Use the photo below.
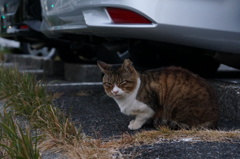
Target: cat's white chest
(129, 105)
(132, 107)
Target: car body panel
(213, 25)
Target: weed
(25, 96)
(28, 97)
(15, 142)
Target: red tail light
(123, 16)
(24, 27)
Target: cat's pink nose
(115, 92)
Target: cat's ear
(127, 62)
(103, 66)
(127, 65)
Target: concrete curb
(82, 73)
(25, 61)
(71, 72)
(53, 68)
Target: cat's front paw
(134, 125)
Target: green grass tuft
(16, 142)
(25, 96)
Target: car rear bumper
(213, 25)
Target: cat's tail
(174, 125)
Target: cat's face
(118, 80)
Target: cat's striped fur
(170, 96)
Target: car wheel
(44, 52)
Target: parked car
(198, 35)
(21, 20)
(15, 15)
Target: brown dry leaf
(58, 95)
(83, 93)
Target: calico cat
(170, 96)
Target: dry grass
(83, 93)
(96, 148)
(86, 148)
(58, 95)
(17, 142)
(25, 96)
(165, 134)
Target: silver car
(213, 25)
